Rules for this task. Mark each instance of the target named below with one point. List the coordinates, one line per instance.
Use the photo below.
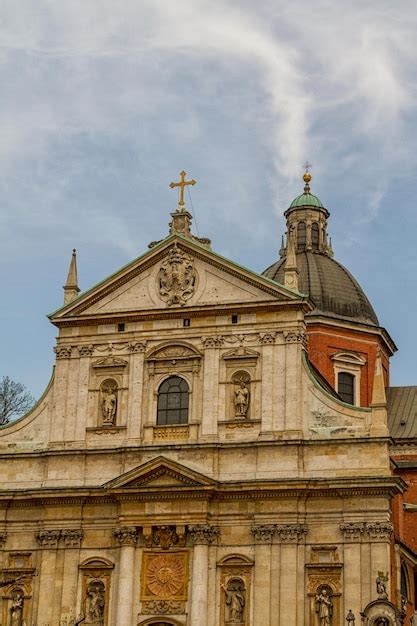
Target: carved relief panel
(164, 582)
(96, 579)
(108, 392)
(235, 590)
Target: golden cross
(182, 185)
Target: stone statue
(242, 398)
(381, 585)
(109, 404)
(16, 609)
(235, 601)
(324, 608)
(94, 604)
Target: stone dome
(331, 287)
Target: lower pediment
(159, 473)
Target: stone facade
(270, 496)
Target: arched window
(301, 236)
(173, 401)
(346, 387)
(404, 582)
(315, 236)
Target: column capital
(379, 530)
(263, 533)
(284, 533)
(126, 535)
(203, 534)
(48, 538)
(72, 538)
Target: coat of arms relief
(177, 278)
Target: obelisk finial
(71, 289)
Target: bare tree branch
(15, 400)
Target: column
(201, 536)
(352, 533)
(127, 537)
(48, 542)
(263, 535)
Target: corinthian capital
(263, 533)
(203, 534)
(126, 535)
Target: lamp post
(350, 618)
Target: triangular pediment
(176, 274)
(160, 473)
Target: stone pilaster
(200, 536)
(126, 537)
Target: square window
(235, 319)
(120, 328)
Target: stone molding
(63, 352)
(354, 531)
(126, 535)
(284, 533)
(71, 538)
(203, 534)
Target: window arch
(346, 387)
(173, 396)
(315, 236)
(404, 582)
(301, 236)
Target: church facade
(212, 448)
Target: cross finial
(182, 185)
(307, 176)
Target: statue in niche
(324, 607)
(16, 609)
(241, 394)
(235, 600)
(109, 401)
(94, 603)
(381, 585)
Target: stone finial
(71, 289)
(290, 267)
(379, 416)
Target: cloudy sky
(103, 104)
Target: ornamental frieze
(163, 607)
(177, 278)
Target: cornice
(255, 489)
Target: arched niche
(96, 579)
(235, 582)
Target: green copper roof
(307, 199)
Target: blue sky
(103, 105)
